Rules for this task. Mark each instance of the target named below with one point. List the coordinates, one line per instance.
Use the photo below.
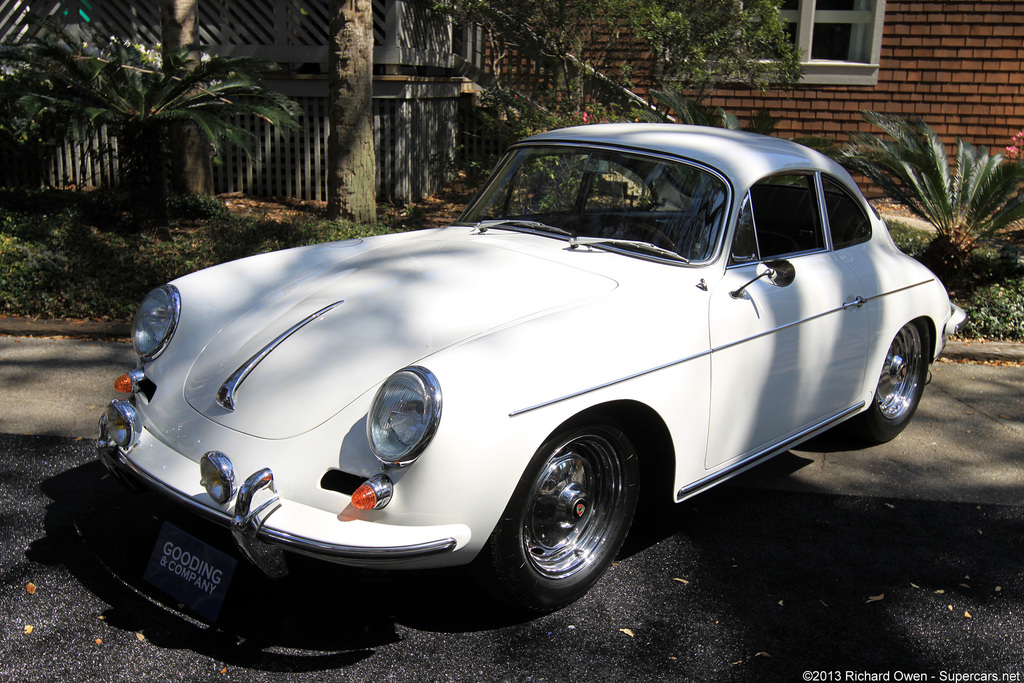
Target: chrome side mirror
(778, 272)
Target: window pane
(609, 195)
(842, 30)
(744, 244)
(786, 215)
(846, 221)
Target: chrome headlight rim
(217, 476)
(119, 426)
(145, 316)
(428, 390)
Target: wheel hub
(898, 368)
(573, 506)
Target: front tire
(900, 386)
(566, 521)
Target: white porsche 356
(623, 309)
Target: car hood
(379, 311)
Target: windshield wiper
(645, 247)
(483, 226)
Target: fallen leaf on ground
(763, 654)
(628, 632)
(140, 636)
(967, 614)
(28, 629)
(681, 580)
(31, 588)
(876, 598)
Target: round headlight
(404, 416)
(155, 321)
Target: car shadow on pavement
(320, 617)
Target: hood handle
(226, 393)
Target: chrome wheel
(899, 382)
(574, 504)
(899, 389)
(566, 521)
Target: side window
(846, 220)
(785, 216)
(744, 244)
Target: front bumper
(263, 524)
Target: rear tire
(900, 387)
(566, 521)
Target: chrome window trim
(723, 230)
(226, 393)
(856, 303)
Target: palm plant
(973, 197)
(137, 95)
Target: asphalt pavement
(897, 562)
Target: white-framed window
(840, 40)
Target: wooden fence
(415, 105)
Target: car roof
(742, 157)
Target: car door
(785, 359)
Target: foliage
(693, 45)
(911, 241)
(974, 197)
(55, 262)
(989, 291)
(77, 84)
(995, 312)
(700, 45)
(512, 116)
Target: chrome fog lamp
(155, 321)
(120, 425)
(217, 476)
(404, 416)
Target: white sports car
(623, 310)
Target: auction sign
(195, 573)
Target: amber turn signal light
(374, 494)
(128, 383)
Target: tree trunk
(143, 175)
(351, 160)
(191, 166)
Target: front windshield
(608, 194)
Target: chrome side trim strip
(226, 393)
(344, 554)
(764, 454)
(901, 289)
(545, 404)
(856, 303)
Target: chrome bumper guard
(257, 500)
(249, 519)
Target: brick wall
(957, 65)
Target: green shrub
(995, 312)
(30, 275)
(196, 207)
(911, 241)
